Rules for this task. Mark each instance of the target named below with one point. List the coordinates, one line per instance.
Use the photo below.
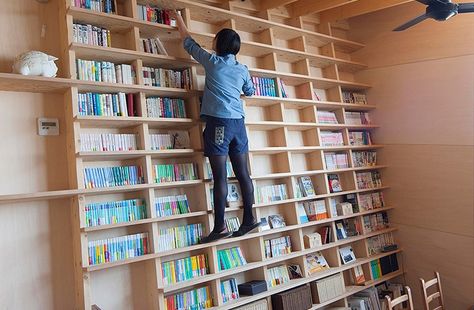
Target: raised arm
(183, 30)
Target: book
(153, 46)
(230, 258)
(312, 240)
(376, 221)
(234, 195)
(284, 93)
(155, 15)
(340, 231)
(95, 104)
(371, 201)
(91, 35)
(184, 269)
(100, 177)
(347, 254)
(306, 186)
(269, 193)
(331, 138)
(369, 179)
(353, 97)
(200, 298)
(295, 272)
(326, 234)
(276, 221)
(104, 6)
(277, 246)
(315, 262)
(315, 210)
(334, 160)
(232, 224)
(334, 183)
(107, 142)
(301, 213)
(208, 169)
(117, 248)
(380, 243)
(163, 173)
(359, 138)
(171, 205)
(364, 158)
(264, 225)
(113, 212)
(229, 290)
(357, 118)
(179, 236)
(160, 77)
(277, 275)
(358, 275)
(264, 86)
(163, 107)
(327, 117)
(103, 71)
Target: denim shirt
(225, 79)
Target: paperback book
(114, 212)
(327, 117)
(334, 183)
(164, 173)
(357, 118)
(335, 160)
(306, 186)
(184, 269)
(276, 221)
(230, 258)
(104, 71)
(169, 141)
(153, 46)
(90, 35)
(277, 247)
(264, 86)
(155, 15)
(277, 275)
(200, 298)
(353, 97)
(316, 209)
(103, 6)
(232, 223)
(364, 158)
(228, 167)
(331, 138)
(370, 179)
(171, 205)
(371, 201)
(269, 193)
(165, 107)
(95, 104)
(179, 236)
(380, 243)
(347, 254)
(229, 290)
(315, 262)
(107, 142)
(375, 222)
(160, 77)
(359, 138)
(113, 176)
(117, 248)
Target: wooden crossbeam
(271, 4)
(358, 8)
(305, 7)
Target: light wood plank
(306, 7)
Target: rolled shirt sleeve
(248, 88)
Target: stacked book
(118, 248)
(113, 212)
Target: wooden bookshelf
(284, 137)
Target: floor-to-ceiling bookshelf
(284, 142)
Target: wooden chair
(406, 297)
(438, 294)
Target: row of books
(331, 138)
(336, 160)
(179, 236)
(155, 15)
(277, 275)
(364, 158)
(99, 177)
(91, 35)
(353, 97)
(384, 265)
(357, 118)
(184, 269)
(230, 258)
(104, 71)
(104, 6)
(315, 210)
(174, 172)
(271, 193)
(106, 142)
(334, 183)
(305, 187)
(284, 93)
(264, 86)
(113, 212)
(277, 247)
(178, 139)
(374, 222)
(348, 228)
(380, 243)
(359, 138)
(95, 104)
(229, 290)
(196, 299)
(164, 107)
(371, 201)
(370, 179)
(326, 234)
(228, 167)
(153, 46)
(161, 77)
(232, 223)
(171, 205)
(327, 117)
(118, 248)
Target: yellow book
(194, 266)
(173, 272)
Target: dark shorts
(225, 136)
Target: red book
(130, 105)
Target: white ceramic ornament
(35, 63)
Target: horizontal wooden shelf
(270, 125)
(120, 122)
(313, 172)
(121, 155)
(309, 149)
(144, 221)
(119, 56)
(44, 195)
(304, 103)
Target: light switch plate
(48, 126)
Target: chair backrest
(406, 297)
(438, 294)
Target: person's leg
(219, 175)
(240, 167)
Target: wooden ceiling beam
(357, 8)
(271, 4)
(305, 7)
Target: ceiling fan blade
(465, 7)
(412, 22)
(428, 2)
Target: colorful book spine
(155, 15)
(160, 77)
(179, 237)
(367, 180)
(104, 6)
(104, 71)
(375, 222)
(228, 167)
(284, 93)
(364, 158)
(232, 223)
(113, 212)
(95, 104)
(230, 258)
(331, 138)
(113, 176)
(161, 142)
(271, 193)
(184, 269)
(371, 201)
(165, 107)
(277, 247)
(171, 205)
(118, 248)
(277, 276)
(197, 299)
(377, 244)
(91, 35)
(264, 86)
(174, 172)
(106, 142)
(353, 97)
(229, 290)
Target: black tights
(219, 173)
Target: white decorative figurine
(35, 63)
